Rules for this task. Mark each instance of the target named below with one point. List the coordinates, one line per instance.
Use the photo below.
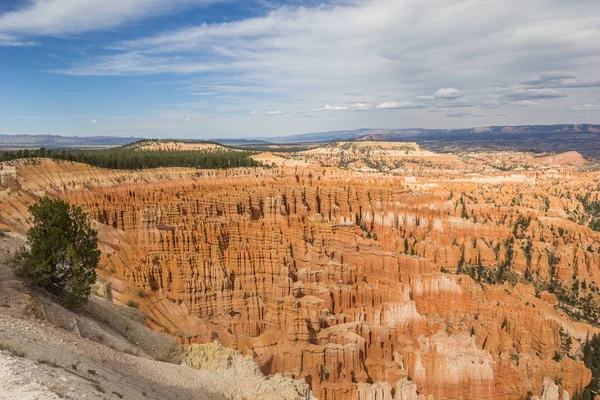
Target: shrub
(591, 358)
(62, 251)
(99, 388)
(326, 373)
(557, 357)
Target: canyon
(368, 270)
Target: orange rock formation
(346, 278)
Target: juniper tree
(62, 253)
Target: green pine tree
(62, 251)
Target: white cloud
(63, 17)
(360, 106)
(13, 41)
(331, 108)
(351, 107)
(500, 53)
(94, 121)
(399, 47)
(253, 112)
(447, 93)
(274, 113)
(400, 105)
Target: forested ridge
(126, 158)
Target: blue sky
(218, 68)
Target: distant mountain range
(400, 134)
(241, 142)
(584, 138)
(55, 141)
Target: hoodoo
(421, 283)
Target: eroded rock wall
(346, 280)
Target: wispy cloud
(560, 80)
(351, 107)
(532, 94)
(527, 103)
(138, 64)
(278, 52)
(344, 56)
(455, 103)
(331, 108)
(585, 107)
(13, 41)
(64, 17)
(400, 105)
(458, 115)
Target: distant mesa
(567, 158)
(175, 145)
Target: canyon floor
(367, 270)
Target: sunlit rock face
(8, 177)
(348, 278)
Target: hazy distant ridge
(584, 138)
(396, 134)
(53, 141)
